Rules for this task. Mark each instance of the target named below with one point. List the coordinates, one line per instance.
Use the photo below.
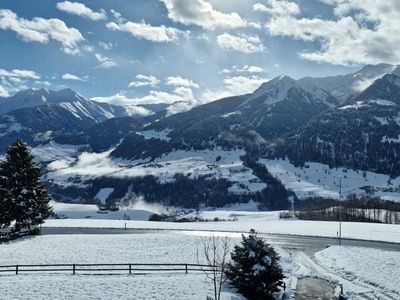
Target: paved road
(306, 244)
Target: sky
(192, 51)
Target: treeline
(353, 209)
(275, 193)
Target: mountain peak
(375, 70)
(282, 82)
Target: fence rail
(84, 269)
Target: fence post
(73, 269)
(130, 269)
(16, 270)
(186, 269)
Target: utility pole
(340, 210)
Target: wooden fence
(88, 269)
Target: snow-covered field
(118, 248)
(319, 180)
(363, 272)
(364, 267)
(123, 287)
(263, 222)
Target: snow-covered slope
(361, 134)
(319, 180)
(344, 86)
(192, 164)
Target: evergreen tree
(5, 203)
(24, 197)
(254, 269)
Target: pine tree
(25, 198)
(5, 203)
(254, 269)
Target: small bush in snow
(254, 270)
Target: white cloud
(179, 81)
(203, 14)
(241, 43)
(68, 76)
(105, 62)
(15, 80)
(260, 7)
(158, 34)
(106, 46)
(117, 15)
(42, 83)
(42, 30)
(278, 7)
(243, 69)
(233, 86)
(154, 97)
(143, 80)
(16, 73)
(361, 32)
(82, 10)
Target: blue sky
(148, 51)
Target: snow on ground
(96, 287)
(382, 102)
(118, 248)
(364, 273)
(86, 211)
(54, 151)
(261, 222)
(317, 179)
(158, 135)
(371, 269)
(103, 194)
(214, 163)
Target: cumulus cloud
(179, 81)
(203, 14)
(79, 9)
(362, 31)
(240, 43)
(144, 80)
(105, 62)
(42, 30)
(68, 76)
(142, 30)
(233, 86)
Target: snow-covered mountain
(363, 133)
(276, 108)
(38, 115)
(345, 86)
(213, 153)
(67, 99)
